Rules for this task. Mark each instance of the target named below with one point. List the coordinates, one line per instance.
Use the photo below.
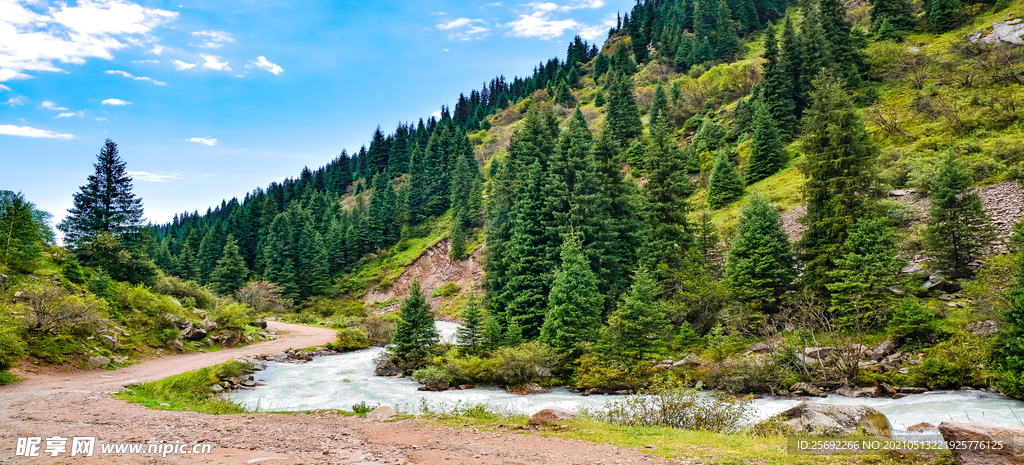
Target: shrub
(263, 296)
(669, 403)
(470, 369)
(524, 363)
(379, 328)
(911, 321)
(12, 347)
(51, 310)
(362, 409)
(957, 361)
(748, 376)
(447, 290)
(351, 339)
(233, 317)
(431, 374)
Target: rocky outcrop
(983, 328)
(1004, 444)
(175, 345)
(433, 269)
(829, 419)
(1008, 32)
(551, 415)
(387, 369)
(99, 361)
(806, 389)
(528, 390)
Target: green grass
(189, 390)
(7, 377)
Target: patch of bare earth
(69, 403)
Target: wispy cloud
(213, 62)
(207, 141)
(25, 131)
(464, 28)
(181, 65)
(146, 61)
(102, 119)
(19, 100)
(263, 63)
(4, 88)
(159, 49)
(144, 176)
(52, 106)
(115, 102)
(457, 23)
(137, 78)
(71, 34)
(541, 23)
(214, 39)
(70, 114)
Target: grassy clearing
(189, 390)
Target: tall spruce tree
(21, 238)
(867, 269)
(959, 230)
(636, 331)
(622, 115)
(667, 188)
(899, 14)
(761, 266)
(766, 152)
(837, 165)
(943, 15)
(724, 185)
(1008, 350)
(230, 273)
(574, 306)
(415, 330)
(472, 335)
(727, 42)
(106, 203)
(527, 264)
(658, 104)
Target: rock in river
(1004, 445)
(831, 419)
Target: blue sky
(208, 100)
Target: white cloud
(539, 25)
(263, 63)
(445, 50)
(207, 141)
(137, 78)
(181, 65)
(19, 100)
(213, 62)
(436, 114)
(115, 102)
(146, 61)
(3, 88)
(35, 41)
(457, 23)
(70, 114)
(102, 119)
(466, 34)
(25, 131)
(144, 176)
(214, 39)
(159, 49)
(52, 106)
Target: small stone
(381, 413)
(99, 361)
(552, 415)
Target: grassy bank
(189, 390)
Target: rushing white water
(340, 381)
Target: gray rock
(806, 389)
(935, 281)
(247, 383)
(983, 328)
(279, 357)
(209, 325)
(109, 341)
(437, 385)
(20, 295)
(1011, 453)
(217, 389)
(818, 352)
(381, 413)
(262, 324)
(551, 415)
(175, 344)
(121, 332)
(760, 347)
(1004, 31)
(387, 369)
(4, 279)
(529, 389)
(688, 360)
(231, 338)
(99, 361)
(831, 419)
(855, 392)
(884, 348)
(912, 390)
(901, 192)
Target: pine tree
(279, 254)
(667, 189)
(527, 265)
(761, 265)
(724, 185)
(564, 96)
(727, 42)
(106, 203)
(705, 241)
(230, 273)
(766, 152)
(838, 170)
(705, 24)
(622, 63)
(211, 249)
(943, 15)
(622, 115)
(959, 230)
(1008, 350)
(636, 331)
(71, 270)
(458, 248)
(415, 330)
(898, 13)
(471, 335)
(315, 277)
(867, 268)
(782, 88)
(815, 55)
(622, 220)
(601, 66)
(599, 99)
(708, 137)
(574, 314)
(20, 240)
(658, 104)
(187, 264)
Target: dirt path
(77, 403)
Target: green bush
(7, 377)
(957, 361)
(362, 409)
(431, 374)
(233, 317)
(351, 339)
(447, 290)
(747, 376)
(525, 363)
(12, 347)
(470, 369)
(379, 328)
(671, 404)
(911, 322)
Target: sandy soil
(73, 403)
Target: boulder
(216, 389)
(190, 332)
(922, 427)
(262, 324)
(1009, 452)
(109, 341)
(387, 368)
(855, 392)
(279, 357)
(551, 415)
(884, 348)
(529, 389)
(1003, 31)
(99, 361)
(832, 419)
(818, 352)
(688, 360)
(4, 279)
(760, 348)
(381, 413)
(20, 295)
(912, 268)
(436, 385)
(175, 344)
(912, 390)
(209, 325)
(231, 338)
(247, 383)
(983, 328)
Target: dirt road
(77, 403)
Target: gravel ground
(69, 403)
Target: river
(340, 381)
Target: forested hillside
(630, 199)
